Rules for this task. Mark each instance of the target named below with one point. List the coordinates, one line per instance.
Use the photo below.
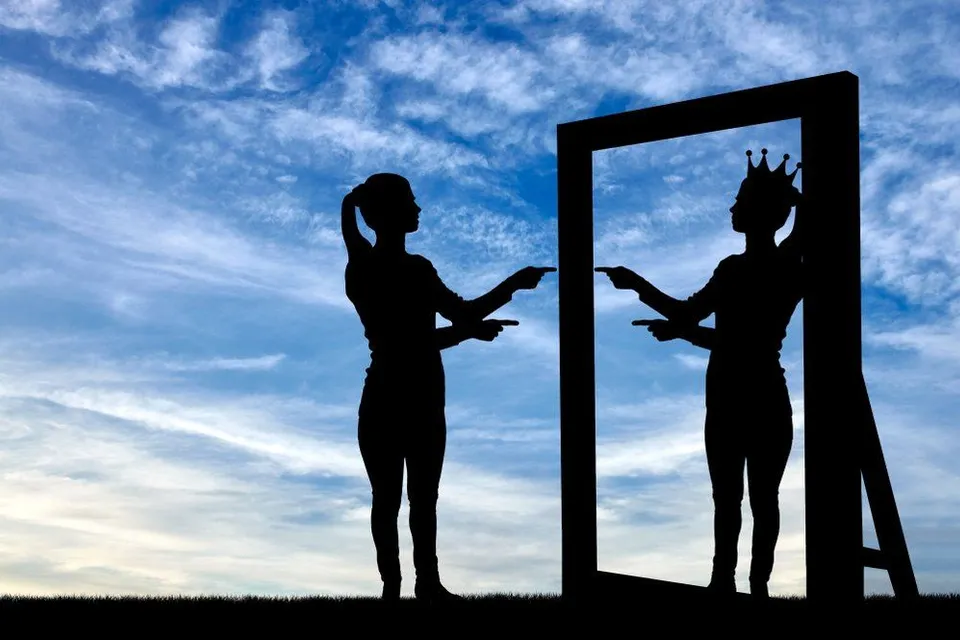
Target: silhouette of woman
(749, 419)
(401, 416)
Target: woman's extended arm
(454, 308)
(664, 330)
(485, 330)
(451, 336)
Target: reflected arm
(793, 245)
(687, 312)
(667, 306)
(699, 336)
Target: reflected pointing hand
(662, 330)
(621, 277)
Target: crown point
(799, 164)
(749, 153)
(763, 151)
(786, 156)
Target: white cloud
(337, 121)
(934, 342)
(698, 363)
(186, 54)
(144, 479)
(181, 248)
(505, 75)
(430, 14)
(276, 50)
(366, 142)
(263, 363)
(63, 19)
(912, 236)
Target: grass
(506, 614)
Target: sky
(180, 368)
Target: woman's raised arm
(352, 237)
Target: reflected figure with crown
(749, 418)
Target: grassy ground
(510, 615)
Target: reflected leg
(768, 453)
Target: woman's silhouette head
(388, 205)
(765, 198)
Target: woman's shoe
(434, 592)
(391, 591)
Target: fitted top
(752, 299)
(397, 298)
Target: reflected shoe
(759, 590)
(391, 591)
(434, 593)
(723, 585)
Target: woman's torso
(393, 297)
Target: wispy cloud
(694, 362)
(504, 76)
(63, 19)
(276, 50)
(263, 363)
(185, 54)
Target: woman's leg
(725, 459)
(383, 458)
(427, 445)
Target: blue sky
(180, 367)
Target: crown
(772, 182)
